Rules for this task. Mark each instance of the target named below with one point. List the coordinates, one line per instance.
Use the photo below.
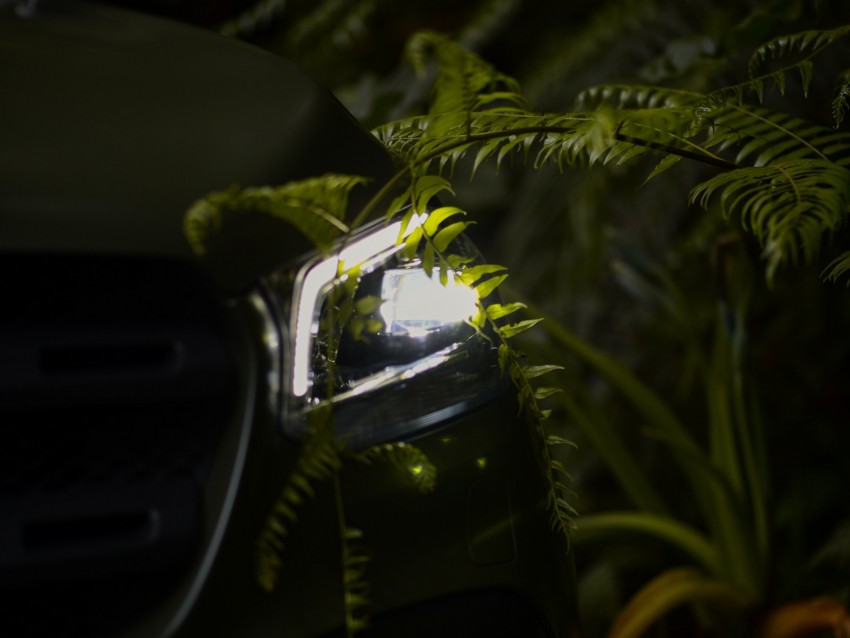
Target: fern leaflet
(316, 207)
(788, 205)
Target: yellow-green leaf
(497, 311)
(515, 328)
(542, 393)
(428, 259)
(532, 372)
(471, 275)
(447, 235)
(486, 288)
(411, 244)
(438, 216)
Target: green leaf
(448, 234)
(428, 259)
(810, 42)
(543, 393)
(838, 268)
(670, 590)
(515, 328)
(497, 311)
(532, 372)
(504, 357)
(410, 460)
(603, 526)
(472, 274)
(666, 162)
(486, 288)
(315, 207)
(789, 206)
(318, 460)
(554, 439)
(842, 98)
(399, 203)
(369, 304)
(426, 187)
(411, 243)
(438, 216)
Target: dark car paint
(118, 122)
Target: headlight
(387, 345)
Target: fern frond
(255, 18)
(355, 561)
(315, 206)
(838, 268)
(561, 514)
(318, 460)
(465, 82)
(629, 96)
(605, 136)
(409, 459)
(808, 43)
(788, 205)
(841, 101)
(765, 136)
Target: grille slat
(115, 384)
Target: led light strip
(367, 251)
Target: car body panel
(119, 122)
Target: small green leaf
(398, 203)
(369, 304)
(841, 99)
(758, 87)
(428, 259)
(515, 328)
(497, 311)
(542, 393)
(456, 262)
(471, 275)
(438, 216)
(448, 234)
(486, 288)
(426, 188)
(444, 272)
(554, 439)
(355, 328)
(504, 357)
(480, 319)
(411, 244)
(667, 162)
(806, 76)
(532, 372)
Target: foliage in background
(698, 369)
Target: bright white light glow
(366, 251)
(415, 304)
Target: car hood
(112, 124)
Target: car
(156, 404)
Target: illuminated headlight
(387, 345)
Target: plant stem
(473, 138)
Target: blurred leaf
(668, 591)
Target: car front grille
(115, 384)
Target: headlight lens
(387, 344)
